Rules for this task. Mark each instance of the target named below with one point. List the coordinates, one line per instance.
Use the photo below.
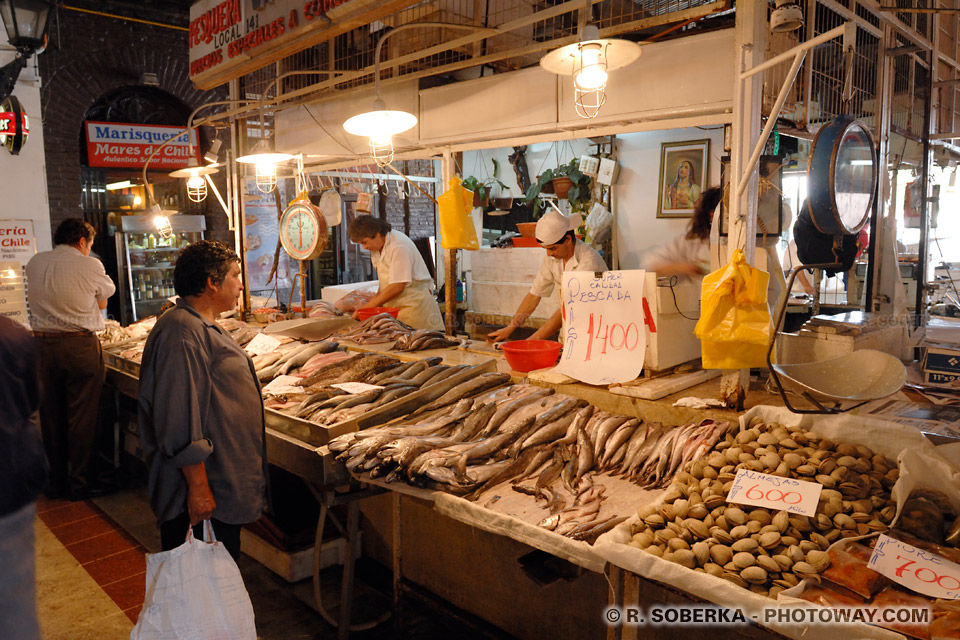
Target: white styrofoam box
(334, 292)
(503, 298)
(506, 265)
(609, 171)
(673, 341)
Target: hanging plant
(482, 188)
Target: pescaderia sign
(114, 144)
(229, 38)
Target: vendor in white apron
(405, 282)
(556, 234)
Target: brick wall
(88, 56)
(420, 209)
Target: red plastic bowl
(369, 312)
(527, 355)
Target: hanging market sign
(14, 125)
(113, 144)
(229, 38)
(13, 298)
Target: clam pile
(760, 549)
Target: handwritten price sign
(603, 337)
(774, 492)
(261, 344)
(916, 569)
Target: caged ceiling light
(265, 159)
(589, 61)
(381, 124)
(196, 181)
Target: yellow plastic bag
(734, 326)
(457, 230)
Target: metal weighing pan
(309, 328)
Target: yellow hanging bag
(457, 230)
(734, 325)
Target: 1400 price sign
(603, 335)
(610, 336)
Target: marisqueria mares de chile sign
(231, 37)
(114, 144)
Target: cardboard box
(942, 359)
(932, 377)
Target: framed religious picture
(683, 169)
(770, 205)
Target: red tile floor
(108, 554)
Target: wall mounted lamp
(380, 124)
(786, 17)
(26, 25)
(589, 61)
(196, 179)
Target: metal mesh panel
(528, 27)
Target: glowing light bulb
(196, 186)
(266, 176)
(593, 72)
(162, 223)
(137, 201)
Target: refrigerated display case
(147, 260)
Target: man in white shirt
(67, 289)
(555, 233)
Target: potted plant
(567, 181)
(482, 188)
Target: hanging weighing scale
(304, 235)
(842, 178)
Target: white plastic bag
(599, 224)
(195, 592)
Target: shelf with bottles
(157, 249)
(148, 287)
(154, 241)
(159, 267)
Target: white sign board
(603, 337)
(17, 241)
(261, 344)
(283, 384)
(918, 570)
(775, 492)
(13, 299)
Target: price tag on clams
(918, 570)
(261, 344)
(603, 326)
(774, 492)
(283, 384)
(356, 387)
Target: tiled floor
(91, 578)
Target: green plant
(579, 195)
(482, 188)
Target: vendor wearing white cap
(555, 233)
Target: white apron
(418, 307)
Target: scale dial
(842, 176)
(303, 231)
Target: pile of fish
(380, 328)
(548, 445)
(324, 309)
(424, 339)
(241, 331)
(383, 327)
(330, 405)
(765, 550)
(295, 358)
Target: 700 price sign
(916, 569)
